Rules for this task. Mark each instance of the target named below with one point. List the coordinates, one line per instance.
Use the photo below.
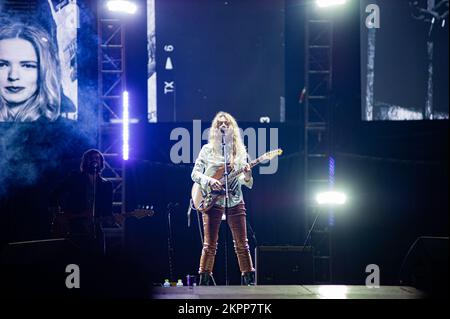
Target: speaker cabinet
(36, 268)
(425, 266)
(47, 251)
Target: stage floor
(287, 292)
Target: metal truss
(317, 138)
(111, 84)
(18, 6)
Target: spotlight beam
(331, 198)
(121, 6)
(329, 3)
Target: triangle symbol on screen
(169, 65)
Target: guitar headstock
(271, 154)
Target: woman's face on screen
(18, 70)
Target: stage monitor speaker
(37, 268)
(39, 252)
(284, 265)
(425, 266)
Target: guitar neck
(240, 171)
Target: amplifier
(284, 265)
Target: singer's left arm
(246, 178)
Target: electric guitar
(60, 226)
(204, 199)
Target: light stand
(95, 169)
(225, 175)
(170, 208)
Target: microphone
(222, 130)
(172, 205)
(189, 214)
(94, 166)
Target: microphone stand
(90, 237)
(225, 174)
(170, 208)
(93, 204)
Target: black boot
(248, 279)
(205, 279)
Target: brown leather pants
(237, 223)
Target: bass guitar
(61, 223)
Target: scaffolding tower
(111, 85)
(317, 137)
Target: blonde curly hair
(239, 151)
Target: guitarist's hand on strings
(247, 172)
(215, 184)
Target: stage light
(125, 127)
(120, 121)
(329, 3)
(121, 6)
(331, 198)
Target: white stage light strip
(126, 127)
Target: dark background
(401, 58)
(229, 55)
